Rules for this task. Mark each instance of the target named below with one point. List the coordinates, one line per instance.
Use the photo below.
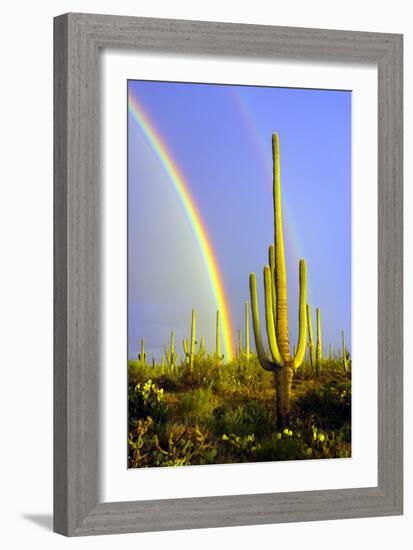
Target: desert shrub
(139, 373)
(249, 377)
(238, 448)
(186, 445)
(196, 406)
(175, 445)
(330, 444)
(147, 399)
(141, 443)
(224, 413)
(247, 418)
(285, 445)
(305, 371)
(328, 406)
(204, 373)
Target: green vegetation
(272, 405)
(224, 414)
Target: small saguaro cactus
(154, 363)
(189, 350)
(319, 346)
(276, 309)
(142, 354)
(171, 356)
(245, 353)
(311, 346)
(202, 345)
(331, 353)
(218, 355)
(345, 360)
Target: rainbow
(182, 189)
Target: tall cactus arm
(271, 261)
(142, 354)
(302, 322)
(218, 335)
(280, 270)
(345, 362)
(310, 336)
(193, 331)
(240, 350)
(262, 356)
(319, 347)
(171, 356)
(247, 332)
(269, 318)
(245, 353)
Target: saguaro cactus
(276, 309)
(245, 353)
(190, 350)
(142, 354)
(171, 356)
(218, 355)
(319, 347)
(345, 361)
(331, 353)
(311, 346)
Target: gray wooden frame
(78, 39)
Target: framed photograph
(228, 274)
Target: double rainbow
(182, 189)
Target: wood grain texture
(78, 39)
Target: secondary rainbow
(181, 187)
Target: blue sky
(220, 137)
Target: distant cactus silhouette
(311, 347)
(319, 347)
(218, 355)
(142, 354)
(189, 350)
(315, 351)
(171, 356)
(345, 359)
(245, 353)
(276, 309)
